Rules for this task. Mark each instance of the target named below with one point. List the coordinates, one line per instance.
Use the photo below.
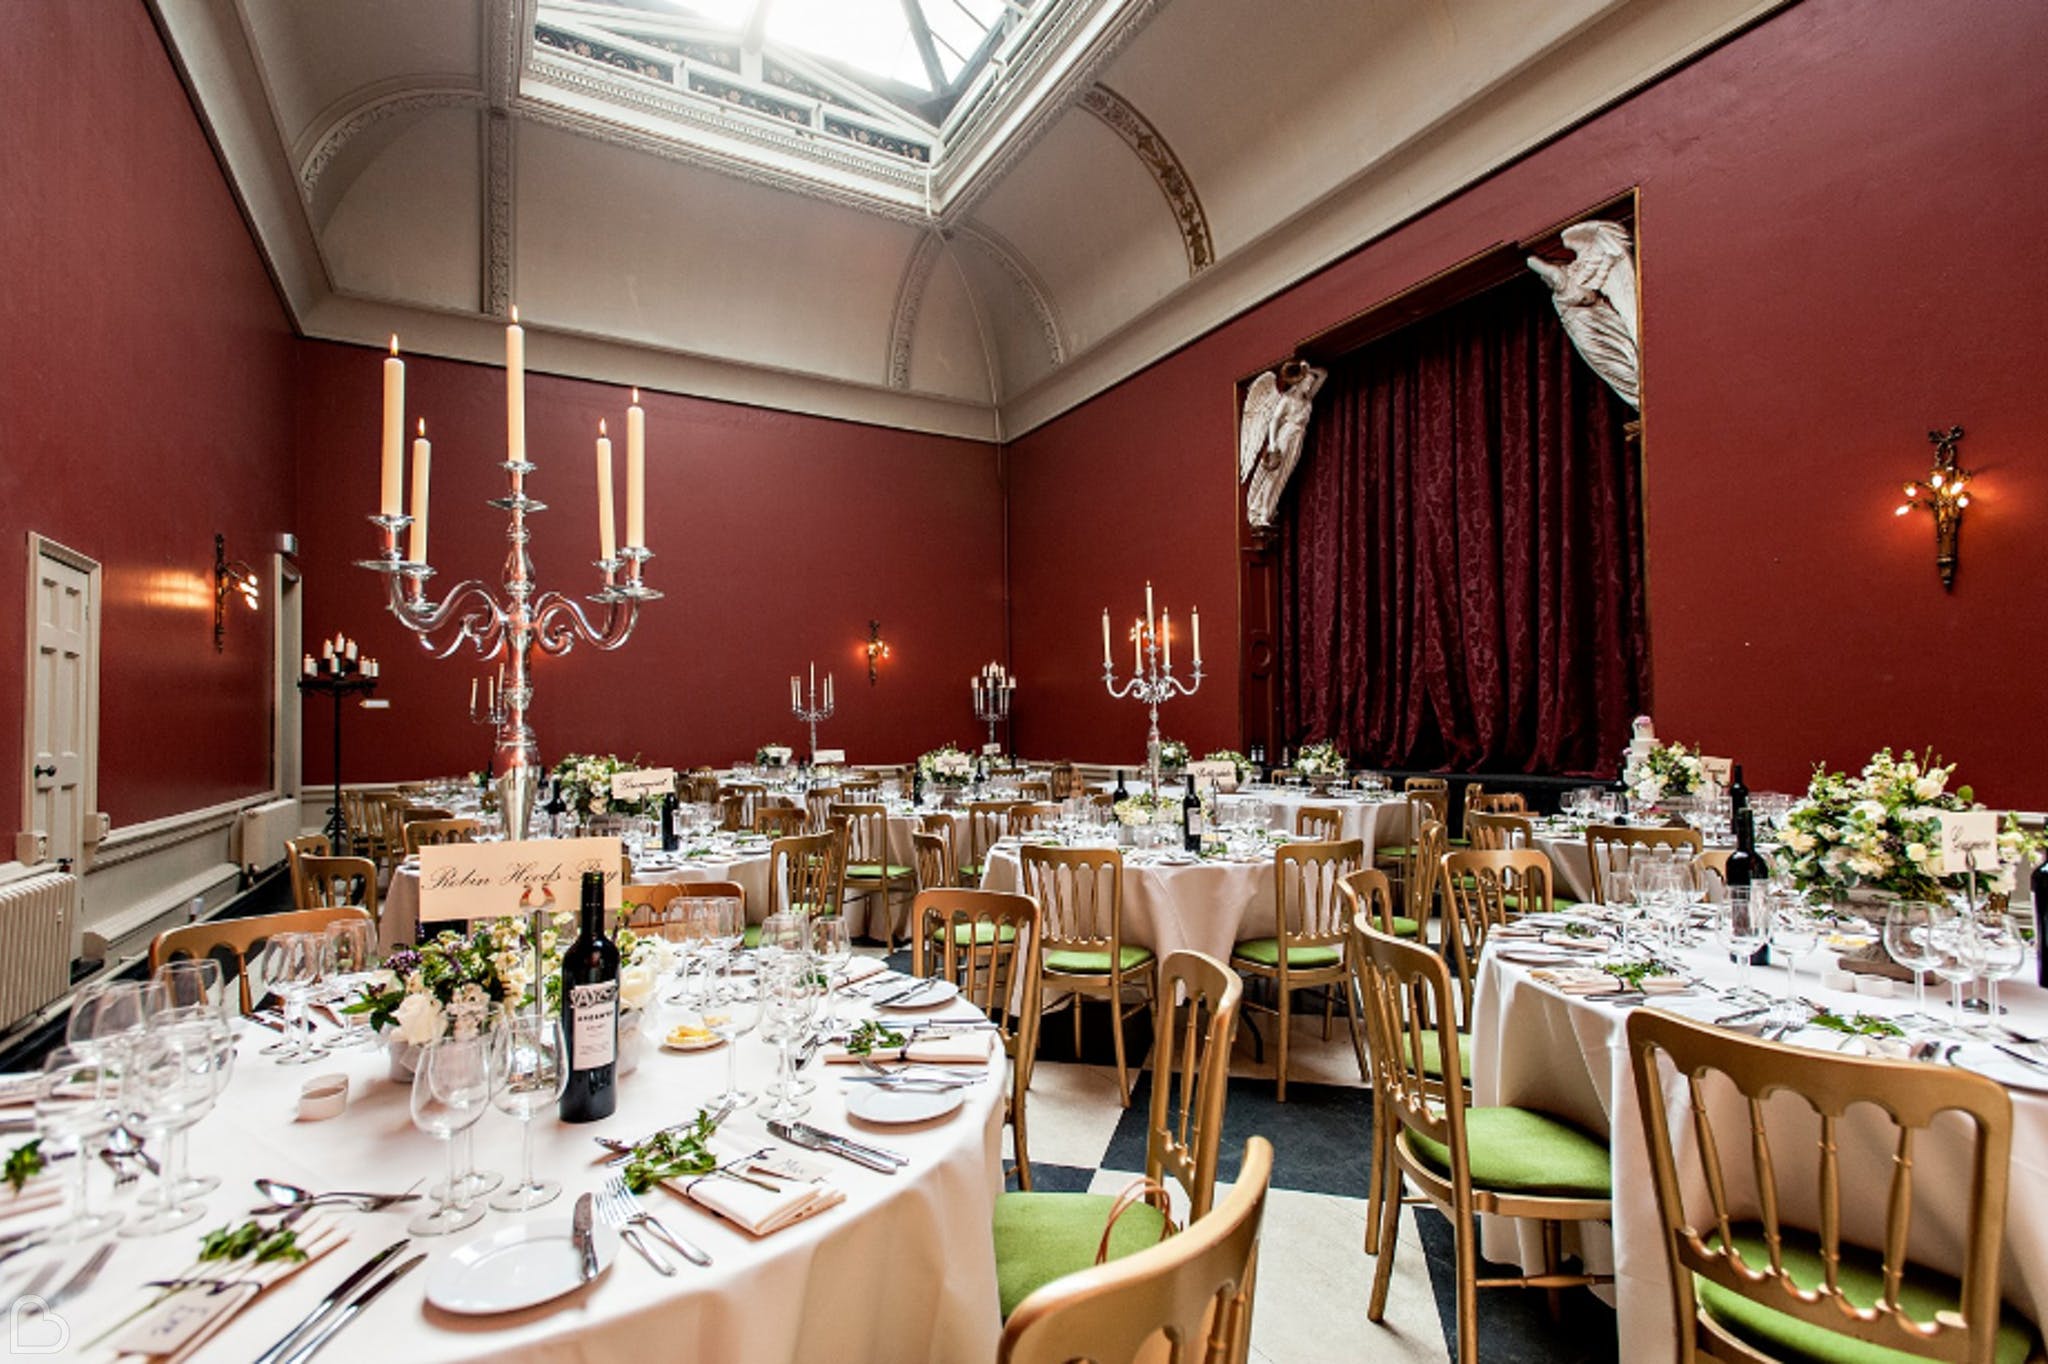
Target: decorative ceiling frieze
(353, 119)
(917, 274)
(1036, 295)
(1123, 119)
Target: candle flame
(515, 314)
(636, 396)
(394, 343)
(423, 428)
(600, 426)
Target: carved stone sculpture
(1269, 437)
(1595, 297)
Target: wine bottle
(2039, 886)
(1120, 795)
(1191, 818)
(1738, 792)
(669, 841)
(1745, 870)
(1258, 757)
(590, 1013)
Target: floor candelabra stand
(994, 692)
(1152, 679)
(343, 679)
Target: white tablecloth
(1207, 907)
(903, 1271)
(1375, 822)
(1537, 1047)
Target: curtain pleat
(1461, 550)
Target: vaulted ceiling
(676, 196)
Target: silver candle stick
(1152, 680)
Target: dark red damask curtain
(1461, 551)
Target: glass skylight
(884, 40)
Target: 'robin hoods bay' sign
(491, 880)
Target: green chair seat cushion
(1405, 927)
(1392, 852)
(1922, 1292)
(752, 936)
(1433, 1057)
(1083, 963)
(980, 932)
(875, 871)
(970, 869)
(1521, 1151)
(1045, 1236)
(1266, 952)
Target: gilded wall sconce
(229, 575)
(877, 648)
(1945, 493)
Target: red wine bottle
(590, 1013)
(1191, 818)
(2039, 886)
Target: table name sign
(493, 880)
(1720, 771)
(648, 781)
(828, 757)
(1967, 835)
(992, 750)
(1220, 771)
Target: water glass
(1907, 926)
(1956, 952)
(348, 950)
(2003, 950)
(193, 981)
(832, 945)
(1794, 933)
(450, 1090)
(1741, 926)
(732, 1009)
(77, 1105)
(170, 1087)
(291, 968)
(105, 1017)
(789, 995)
(528, 1072)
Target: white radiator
(264, 829)
(36, 914)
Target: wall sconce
(877, 648)
(229, 575)
(1945, 494)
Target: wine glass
(1619, 892)
(170, 1086)
(291, 966)
(1741, 926)
(732, 1009)
(348, 949)
(105, 1017)
(218, 1033)
(1794, 933)
(188, 982)
(728, 924)
(529, 1073)
(832, 945)
(2003, 951)
(1906, 928)
(1955, 947)
(789, 996)
(450, 1090)
(77, 1105)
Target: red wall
(777, 537)
(144, 405)
(1839, 251)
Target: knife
(333, 1300)
(352, 1309)
(2021, 1057)
(579, 1230)
(82, 1280)
(812, 1139)
(917, 989)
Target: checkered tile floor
(1314, 1275)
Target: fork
(628, 1204)
(613, 1210)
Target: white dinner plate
(936, 995)
(1536, 956)
(881, 1104)
(516, 1267)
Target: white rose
(1929, 786)
(1870, 809)
(1916, 853)
(419, 1019)
(1799, 840)
(636, 985)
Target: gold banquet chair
(1482, 891)
(1751, 1288)
(1323, 823)
(871, 868)
(1308, 950)
(1504, 1161)
(1080, 892)
(1609, 847)
(339, 882)
(1192, 1291)
(968, 937)
(1488, 832)
(424, 833)
(305, 845)
(1042, 1236)
(234, 943)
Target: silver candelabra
(808, 707)
(994, 690)
(1152, 680)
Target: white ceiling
(409, 165)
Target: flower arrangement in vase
(772, 755)
(584, 782)
(1321, 763)
(1663, 773)
(1173, 757)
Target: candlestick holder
(994, 692)
(492, 713)
(340, 677)
(1153, 684)
(809, 711)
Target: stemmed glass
(1794, 933)
(732, 1009)
(2002, 952)
(1956, 949)
(1907, 927)
(347, 948)
(450, 1090)
(291, 967)
(170, 1086)
(190, 982)
(1619, 891)
(214, 1026)
(1741, 925)
(832, 945)
(789, 996)
(105, 1018)
(77, 1105)
(530, 1074)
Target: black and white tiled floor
(1314, 1275)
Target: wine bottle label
(593, 1025)
(1195, 823)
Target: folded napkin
(40, 1194)
(1576, 980)
(19, 1091)
(753, 1208)
(940, 1049)
(861, 968)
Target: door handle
(41, 771)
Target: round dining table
(1535, 1045)
(903, 1270)
(1172, 903)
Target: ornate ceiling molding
(364, 113)
(502, 50)
(1123, 119)
(917, 274)
(1012, 263)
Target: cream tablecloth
(1205, 907)
(903, 1271)
(1537, 1047)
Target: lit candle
(1166, 634)
(1138, 648)
(1196, 614)
(392, 491)
(472, 693)
(814, 683)
(311, 669)
(796, 695)
(501, 679)
(828, 691)
(1148, 606)
(327, 649)
(351, 651)
(607, 533)
(636, 474)
(515, 390)
(422, 456)
(1105, 638)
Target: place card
(828, 757)
(1967, 834)
(492, 880)
(647, 781)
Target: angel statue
(1595, 297)
(1270, 434)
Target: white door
(63, 700)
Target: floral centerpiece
(584, 783)
(1173, 755)
(946, 767)
(1881, 830)
(1663, 772)
(772, 755)
(1235, 759)
(1144, 809)
(1319, 760)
